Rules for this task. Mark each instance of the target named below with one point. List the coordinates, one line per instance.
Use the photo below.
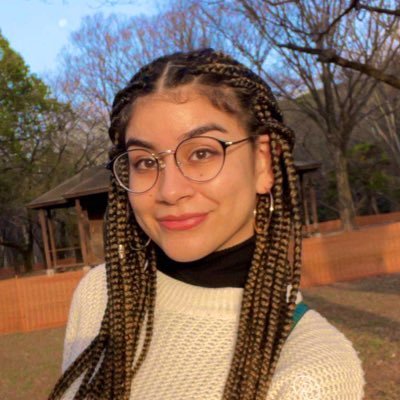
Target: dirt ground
(30, 364)
(367, 311)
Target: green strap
(300, 310)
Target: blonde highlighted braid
(110, 362)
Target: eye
(202, 154)
(144, 164)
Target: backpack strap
(300, 310)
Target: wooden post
(314, 211)
(43, 226)
(52, 241)
(82, 234)
(304, 201)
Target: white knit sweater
(193, 342)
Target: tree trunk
(27, 256)
(345, 198)
(27, 248)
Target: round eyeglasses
(199, 159)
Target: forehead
(170, 115)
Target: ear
(263, 167)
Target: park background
(334, 66)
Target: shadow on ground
(388, 284)
(359, 321)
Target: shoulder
(93, 282)
(317, 362)
(86, 313)
(90, 296)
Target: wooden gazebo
(86, 192)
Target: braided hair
(109, 364)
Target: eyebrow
(193, 132)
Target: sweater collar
(177, 296)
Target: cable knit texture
(193, 342)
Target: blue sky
(38, 29)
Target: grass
(367, 311)
(30, 364)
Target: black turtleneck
(224, 268)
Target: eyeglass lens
(199, 159)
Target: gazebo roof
(303, 159)
(89, 181)
(96, 180)
(306, 166)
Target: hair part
(265, 317)
(221, 97)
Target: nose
(172, 186)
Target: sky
(38, 29)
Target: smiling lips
(182, 222)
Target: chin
(184, 252)
(184, 256)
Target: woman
(197, 296)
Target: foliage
(33, 154)
(29, 124)
(371, 179)
(373, 184)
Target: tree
(389, 27)
(384, 121)
(32, 151)
(356, 8)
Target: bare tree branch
(329, 56)
(350, 8)
(357, 5)
(361, 6)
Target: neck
(224, 268)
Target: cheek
(141, 205)
(132, 202)
(236, 185)
(239, 175)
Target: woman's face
(188, 219)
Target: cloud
(62, 23)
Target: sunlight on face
(188, 219)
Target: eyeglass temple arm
(230, 143)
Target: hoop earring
(140, 248)
(129, 216)
(257, 229)
(121, 249)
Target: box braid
(110, 362)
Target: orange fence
(344, 256)
(361, 221)
(27, 304)
(42, 302)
